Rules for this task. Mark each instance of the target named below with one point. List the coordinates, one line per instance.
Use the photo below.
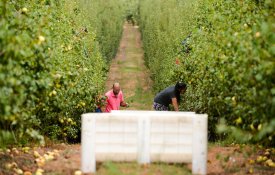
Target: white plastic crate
(145, 136)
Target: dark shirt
(165, 96)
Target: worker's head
(181, 87)
(116, 88)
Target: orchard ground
(129, 70)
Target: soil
(230, 160)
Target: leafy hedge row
(53, 63)
(106, 18)
(225, 51)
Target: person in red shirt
(115, 98)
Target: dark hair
(178, 87)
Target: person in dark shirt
(170, 95)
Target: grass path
(129, 70)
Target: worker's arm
(104, 102)
(124, 104)
(175, 104)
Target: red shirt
(113, 102)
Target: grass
(112, 168)
(131, 69)
(142, 100)
(119, 62)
